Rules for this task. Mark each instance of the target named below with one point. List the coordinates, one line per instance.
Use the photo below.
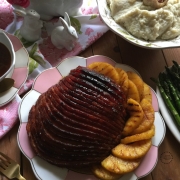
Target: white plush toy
(64, 36)
(31, 27)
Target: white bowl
(4, 39)
(105, 14)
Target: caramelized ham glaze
(78, 121)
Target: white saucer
(20, 72)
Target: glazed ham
(78, 121)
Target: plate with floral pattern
(105, 14)
(44, 170)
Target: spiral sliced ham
(78, 121)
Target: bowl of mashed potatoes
(153, 24)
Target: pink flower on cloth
(87, 11)
(23, 3)
(54, 55)
(9, 115)
(94, 38)
(89, 31)
(26, 86)
(6, 14)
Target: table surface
(148, 63)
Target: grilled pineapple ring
(136, 79)
(123, 79)
(118, 165)
(104, 174)
(105, 69)
(136, 116)
(138, 137)
(147, 93)
(148, 118)
(132, 151)
(133, 91)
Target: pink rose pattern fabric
(43, 54)
(6, 14)
(8, 116)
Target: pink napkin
(43, 54)
(8, 116)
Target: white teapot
(50, 8)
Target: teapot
(47, 9)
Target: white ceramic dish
(108, 20)
(46, 79)
(168, 117)
(50, 8)
(19, 73)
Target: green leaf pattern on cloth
(33, 50)
(39, 59)
(93, 16)
(35, 58)
(76, 24)
(32, 65)
(24, 41)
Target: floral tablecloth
(43, 54)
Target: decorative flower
(6, 12)
(89, 31)
(23, 3)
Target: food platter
(46, 79)
(168, 117)
(105, 14)
(19, 73)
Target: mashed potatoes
(147, 22)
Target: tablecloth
(43, 54)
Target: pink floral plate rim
(20, 72)
(46, 79)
